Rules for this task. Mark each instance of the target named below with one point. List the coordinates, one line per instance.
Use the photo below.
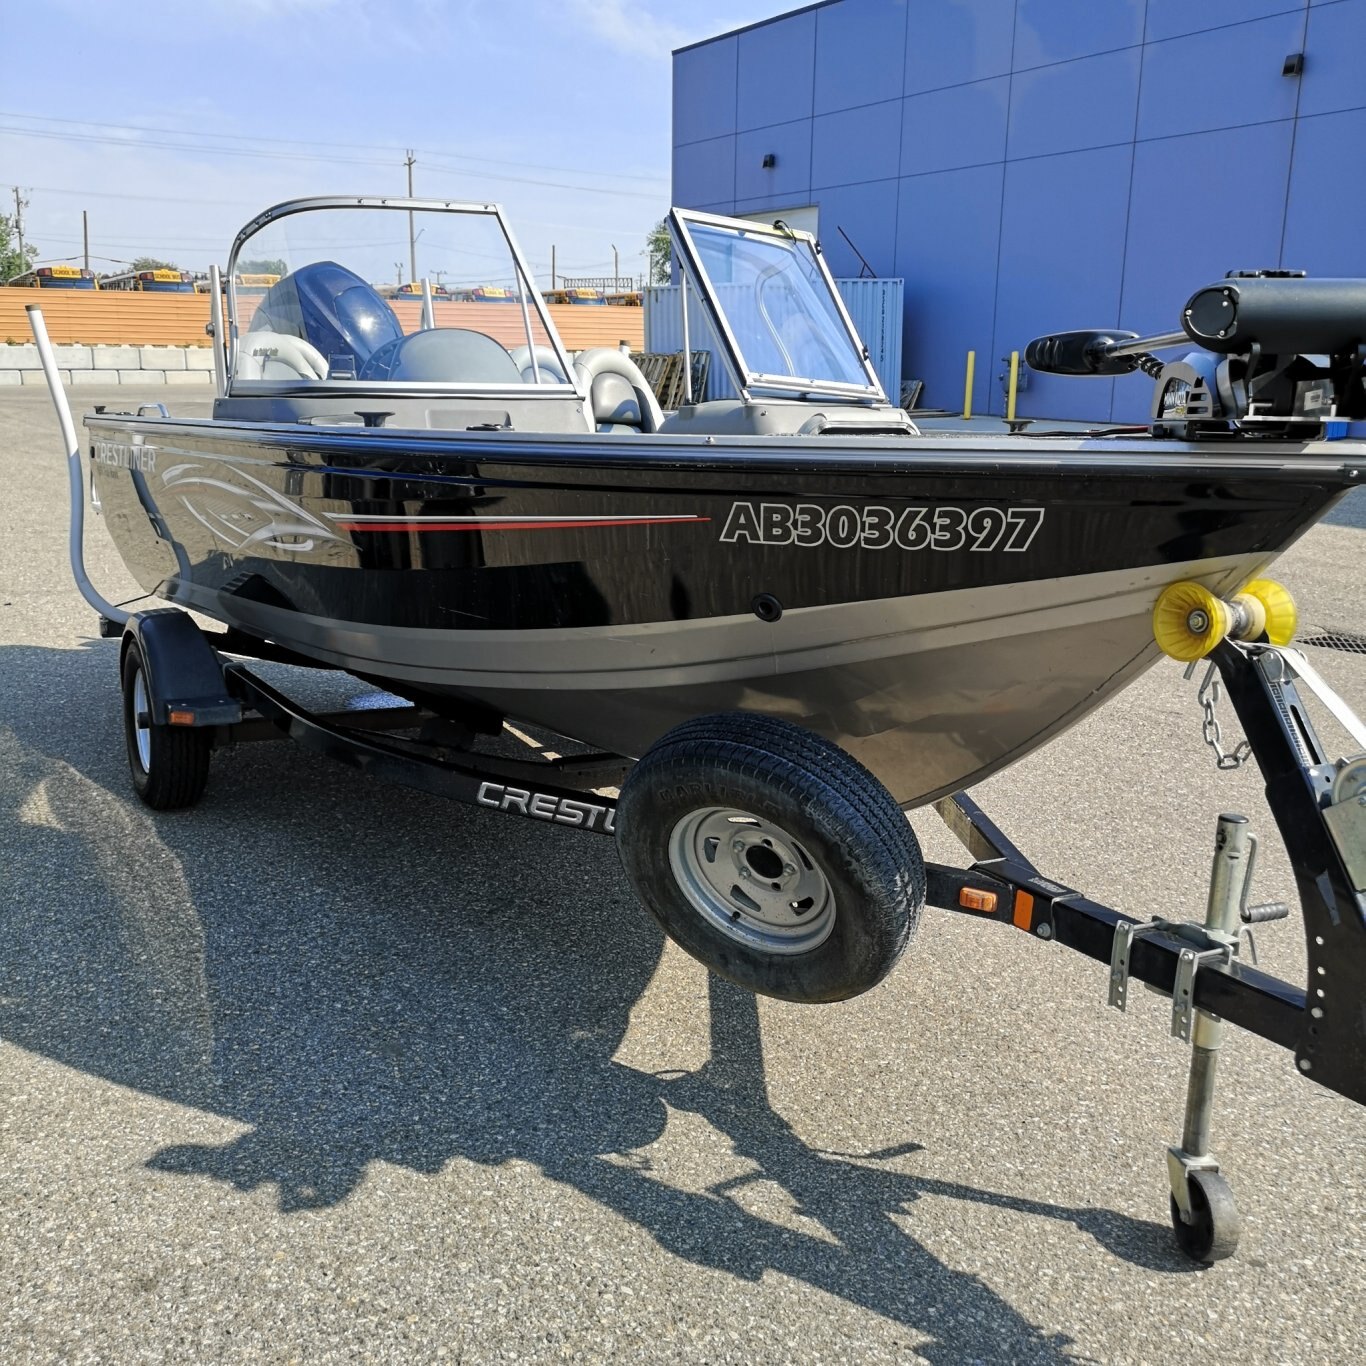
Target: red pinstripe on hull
(502, 524)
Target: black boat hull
(937, 607)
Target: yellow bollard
(967, 387)
(1014, 384)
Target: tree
(11, 262)
(660, 247)
(265, 266)
(153, 263)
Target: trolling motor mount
(1282, 354)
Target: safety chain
(1211, 690)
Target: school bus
(56, 277)
(159, 281)
(574, 296)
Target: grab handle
(75, 542)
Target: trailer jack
(1320, 809)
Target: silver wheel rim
(752, 880)
(142, 723)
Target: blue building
(1037, 165)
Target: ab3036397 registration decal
(874, 527)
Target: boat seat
(546, 359)
(620, 396)
(443, 355)
(277, 355)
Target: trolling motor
(1288, 355)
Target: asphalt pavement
(325, 1070)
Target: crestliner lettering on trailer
(875, 527)
(542, 806)
(125, 455)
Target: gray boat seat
(277, 355)
(615, 405)
(443, 355)
(620, 396)
(547, 361)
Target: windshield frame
(531, 302)
(748, 381)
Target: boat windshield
(775, 305)
(371, 293)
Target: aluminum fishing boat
(433, 494)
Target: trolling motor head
(1288, 354)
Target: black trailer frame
(1319, 806)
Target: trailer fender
(184, 673)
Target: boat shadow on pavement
(360, 974)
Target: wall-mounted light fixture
(770, 161)
(1293, 65)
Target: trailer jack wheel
(1209, 1228)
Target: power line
(309, 157)
(310, 146)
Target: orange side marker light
(974, 899)
(1024, 911)
(180, 718)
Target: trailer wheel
(169, 764)
(1215, 1223)
(772, 856)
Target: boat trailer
(193, 681)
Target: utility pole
(412, 237)
(19, 206)
(85, 237)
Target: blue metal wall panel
(948, 231)
(867, 36)
(1335, 76)
(790, 145)
(1172, 18)
(1219, 79)
(777, 71)
(704, 91)
(964, 125)
(952, 41)
(1233, 164)
(1224, 219)
(1325, 225)
(1059, 30)
(704, 172)
(1056, 269)
(868, 214)
(1070, 106)
(856, 144)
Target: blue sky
(173, 121)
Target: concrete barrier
(19, 364)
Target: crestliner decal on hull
(258, 516)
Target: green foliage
(11, 262)
(263, 266)
(661, 251)
(153, 263)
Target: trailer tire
(772, 856)
(169, 764)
